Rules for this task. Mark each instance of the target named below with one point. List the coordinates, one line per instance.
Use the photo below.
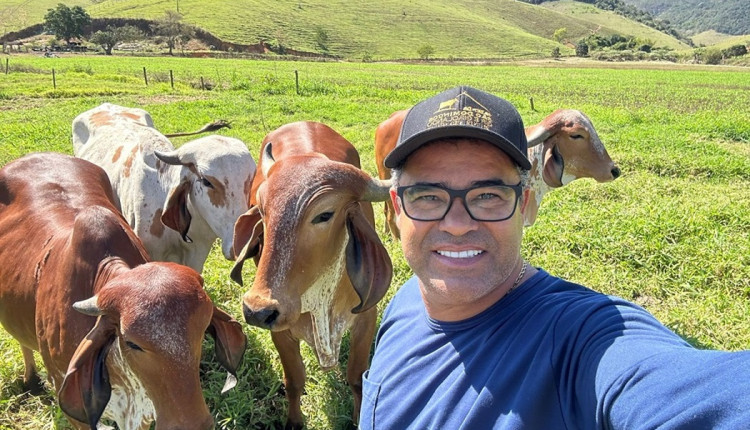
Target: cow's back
(43, 197)
(121, 141)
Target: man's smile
(459, 254)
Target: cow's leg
(362, 334)
(31, 381)
(294, 376)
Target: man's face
(460, 262)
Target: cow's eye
(323, 217)
(131, 345)
(206, 183)
(576, 136)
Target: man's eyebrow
(488, 183)
(482, 183)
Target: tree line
(68, 23)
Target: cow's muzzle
(263, 318)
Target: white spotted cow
(178, 201)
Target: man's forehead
(459, 162)
(444, 151)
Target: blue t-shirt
(550, 355)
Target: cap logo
(450, 113)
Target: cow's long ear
(86, 390)
(230, 343)
(175, 214)
(247, 240)
(367, 262)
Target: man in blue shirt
(480, 339)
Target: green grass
(671, 234)
(381, 30)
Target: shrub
(734, 51)
(582, 49)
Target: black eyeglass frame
(517, 188)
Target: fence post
(296, 81)
(171, 78)
(54, 80)
(531, 100)
(203, 86)
(6, 66)
(145, 78)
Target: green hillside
(719, 40)
(695, 16)
(381, 30)
(609, 23)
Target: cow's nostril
(264, 318)
(615, 172)
(271, 318)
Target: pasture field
(672, 234)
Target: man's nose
(458, 221)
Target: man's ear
(395, 201)
(525, 199)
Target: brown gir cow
(321, 265)
(563, 147)
(120, 336)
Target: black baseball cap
(462, 112)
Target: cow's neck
(537, 187)
(328, 324)
(130, 407)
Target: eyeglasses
(483, 202)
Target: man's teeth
(460, 254)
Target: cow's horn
(88, 307)
(538, 135)
(171, 157)
(377, 190)
(267, 159)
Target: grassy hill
(382, 30)
(719, 40)
(612, 23)
(695, 16)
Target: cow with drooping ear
(563, 147)
(321, 268)
(178, 201)
(120, 336)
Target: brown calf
(120, 336)
(321, 265)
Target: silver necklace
(518, 279)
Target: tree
(582, 48)
(172, 29)
(66, 23)
(734, 51)
(425, 51)
(560, 35)
(110, 37)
